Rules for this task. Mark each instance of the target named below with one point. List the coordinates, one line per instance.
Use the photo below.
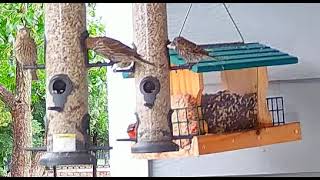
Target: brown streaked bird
(188, 50)
(25, 50)
(115, 51)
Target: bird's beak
(170, 46)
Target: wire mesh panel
(276, 108)
(187, 122)
(190, 121)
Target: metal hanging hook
(234, 23)
(185, 19)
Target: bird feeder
(67, 118)
(199, 130)
(154, 132)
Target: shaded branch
(7, 97)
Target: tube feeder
(67, 117)
(154, 132)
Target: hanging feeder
(67, 119)
(196, 118)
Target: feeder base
(154, 147)
(67, 158)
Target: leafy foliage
(12, 17)
(97, 83)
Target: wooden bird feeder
(241, 116)
(242, 69)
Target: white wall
(121, 95)
(292, 28)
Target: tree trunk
(150, 37)
(22, 135)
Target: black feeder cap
(67, 158)
(154, 147)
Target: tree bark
(7, 97)
(150, 37)
(20, 109)
(21, 114)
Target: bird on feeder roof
(189, 51)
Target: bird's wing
(195, 48)
(120, 48)
(199, 50)
(33, 47)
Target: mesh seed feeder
(67, 118)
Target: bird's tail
(215, 58)
(144, 61)
(34, 75)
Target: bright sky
(116, 14)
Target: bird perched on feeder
(25, 50)
(188, 50)
(132, 131)
(132, 128)
(115, 51)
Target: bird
(132, 128)
(189, 51)
(115, 51)
(25, 50)
(132, 131)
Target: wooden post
(154, 133)
(66, 85)
(186, 82)
(250, 80)
(264, 116)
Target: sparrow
(188, 50)
(115, 51)
(25, 50)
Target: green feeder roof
(230, 56)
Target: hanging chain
(224, 4)
(185, 19)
